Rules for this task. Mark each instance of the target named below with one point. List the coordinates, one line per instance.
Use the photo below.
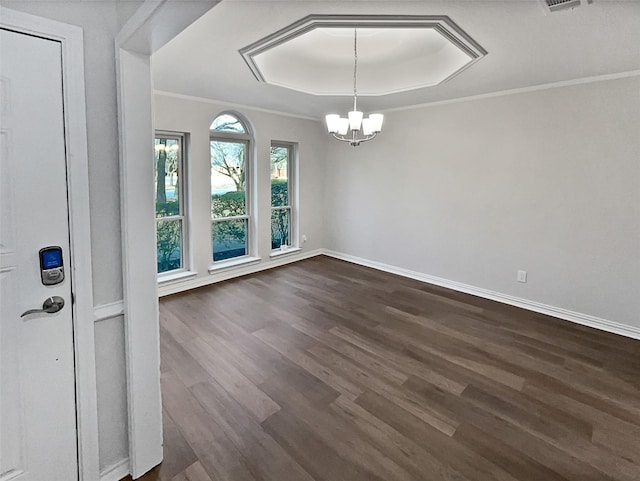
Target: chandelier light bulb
(343, 126)
(333, 121)
(367, 128)
(376, 122)
(355, 120)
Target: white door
(37, 379)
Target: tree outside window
(170, 217)
(281, 210)
(229, 148)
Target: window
(170, 202)
(230, 178)
(282, 216)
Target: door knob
(50, 305)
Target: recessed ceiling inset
(395, 53)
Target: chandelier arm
(354, 140)
(368, 137)
(357, 142)
(341, 138)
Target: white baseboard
(116, 471)
(108, 311)
(577, 317)
(115, 309)
(180, 286)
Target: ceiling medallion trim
(439, 23)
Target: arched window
(228, 123)
(229, 140)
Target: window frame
(292, 195)
(183, 202)
(245, 138)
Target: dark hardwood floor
(325, 370)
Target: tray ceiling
(395, 54)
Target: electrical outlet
(522, 276)
(304, 238)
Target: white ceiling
(526, 47)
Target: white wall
(545, 181)
(100, 22)
(194, 117)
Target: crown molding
(232, 105)
(533, 88)
(498, 93)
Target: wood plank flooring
(328, 371)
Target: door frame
(154, 24)
(71, 40)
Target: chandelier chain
(355, 67)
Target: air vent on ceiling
(557, 5)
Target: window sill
(177, 276)
(222, 265)
(290, 250)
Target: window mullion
(170, 217)
(234, 217)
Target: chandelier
(339, 126)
